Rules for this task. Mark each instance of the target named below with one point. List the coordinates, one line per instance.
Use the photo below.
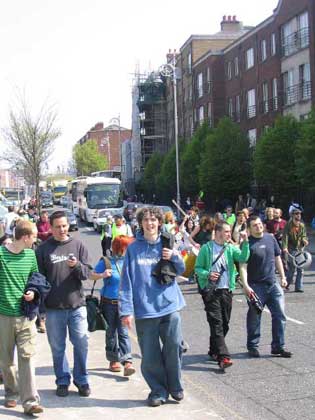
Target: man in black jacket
(64, 262)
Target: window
(208, 80)
(236, 67)
(210, 114)
(238, 108)
(229, 70)
(265, 97)
(230, 107)
(249, 58)
(303, 29)
(263, 46)
(252, 137)
(200, 85)
(189, 63)
(288, 88)
(275, 94)
(305, 81)
(273, 47)
(201, 115)
(251, 103)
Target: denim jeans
(273, 297)
(117, 347)
(58, 323)
(160, 340)
(291, 271)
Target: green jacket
(292, 239)
(232, 253)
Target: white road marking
(295, 321)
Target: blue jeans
(117, 347)
(291, 271)
(58, 323)
(161, 365)
(273, 297)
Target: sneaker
(41, 327)
(62, 391)
(253, 353)
(129, 369)
(1, 378)
(114, 366)
(154, 402)
(299, 291)
(281, 353)
(10, 403)
(177, 396)
(84, 390)
(34, 409)
(225, 362)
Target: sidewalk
(113, 396)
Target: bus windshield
(103, 196)
(60, 189)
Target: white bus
(94, 194)
(107, 173)
(72, 195)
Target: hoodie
(140, 293)
(66, 282)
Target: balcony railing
(295, 41)
(251, 111)
(296, 93)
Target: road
(258, 389)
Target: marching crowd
(44, 281)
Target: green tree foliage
(305, 161)
(151, 171)
(190, 161)
(225, 168)
(166, 179)
(87, 158)
(274, 157)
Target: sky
(80, 55)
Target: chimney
(231, 24)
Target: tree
(88, 159)
(305, 161)
(30, 141)
(225, 169)
(151, 171)
(274, 157)
(190, 161)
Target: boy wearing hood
(155, 304)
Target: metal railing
(295, 41)
(296, 93)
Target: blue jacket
(140, 293)
(38, 284)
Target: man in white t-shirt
(8, 219)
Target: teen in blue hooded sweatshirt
(155, 307)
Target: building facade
(109, 140)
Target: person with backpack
(118, 348)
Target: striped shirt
(15, 270)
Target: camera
(255, 302)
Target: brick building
(109, 140)
(264, 73)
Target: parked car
(64, 201)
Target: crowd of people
(139, 283)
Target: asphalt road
(257, 389)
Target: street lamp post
(116, 120)
(169, 70)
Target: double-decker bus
(94, 194)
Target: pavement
(113, 396)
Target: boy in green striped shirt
(17, 263)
